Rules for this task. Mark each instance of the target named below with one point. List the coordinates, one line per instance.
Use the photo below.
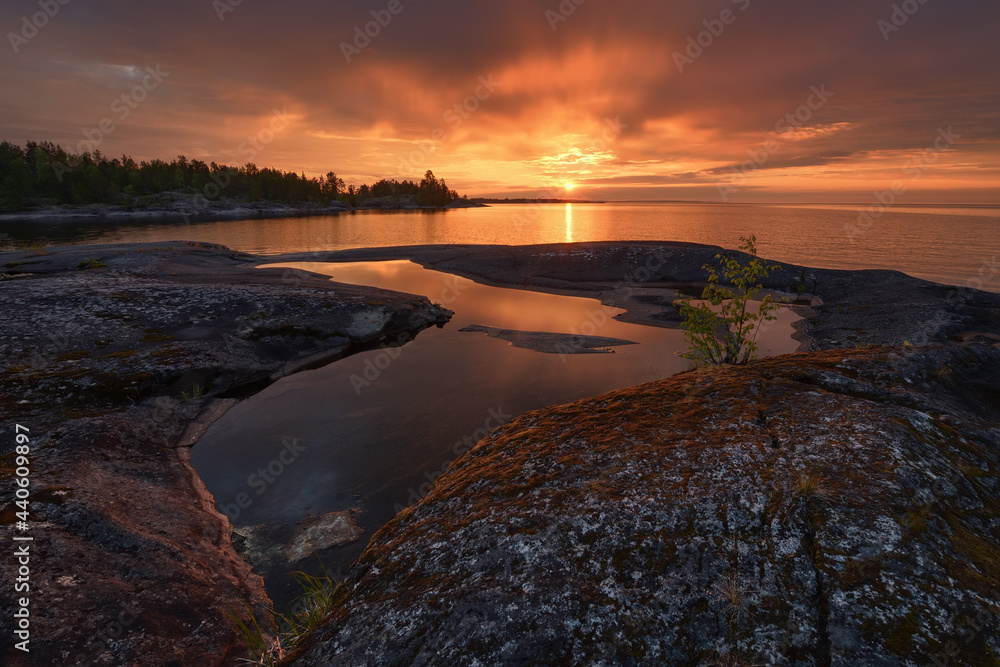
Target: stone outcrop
(836, 507)
(825, 508)
(117, 358)
(841, 308)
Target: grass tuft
(737, 598)
(812, 486)
(264, 650)
(196, 392)
(307, 612)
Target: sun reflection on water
(569, 223)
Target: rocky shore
(826, 508)
(835, 507)
(841, 309)
(117, 358)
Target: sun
(569, 186)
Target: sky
(710, 100)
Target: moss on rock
(823, 508)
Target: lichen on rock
(116, 366)
(783, 513)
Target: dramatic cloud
(742, 99)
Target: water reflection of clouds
(520, 309)
(368, 450)
(474, 303)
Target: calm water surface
(943, 244)
(379, 425)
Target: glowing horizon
(711, 101)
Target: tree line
(44, 174)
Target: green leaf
(729, 336)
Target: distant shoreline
(184, 210)
(524, 200)
(219, 210)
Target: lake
(942, 244)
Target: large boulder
(837, 507)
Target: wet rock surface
(826, 508)
(287, 548)
(117, 358)
(333, 529)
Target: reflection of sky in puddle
(372, 440)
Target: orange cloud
(599, 101)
